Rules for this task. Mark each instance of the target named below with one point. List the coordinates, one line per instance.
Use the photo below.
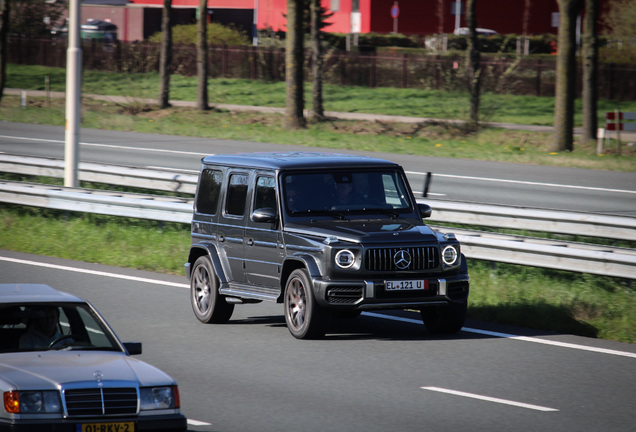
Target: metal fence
(511, 75)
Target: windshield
(53, 326)
(338, 191)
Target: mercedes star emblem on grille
(402, 259)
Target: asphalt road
(375, 373)
(464, 180)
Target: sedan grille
(383, 259)
(101, 401)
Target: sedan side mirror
(425, 210)
(133, 348)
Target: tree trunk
(590, 72)
(318, 111)
(473, 62)
(202, 56)
(565, 76)
(294, 56)
(4, 31)
(165, 61)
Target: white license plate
(405, 285)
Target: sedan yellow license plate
(406, 285)
(108, 427)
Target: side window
(265, 194)
(209, 191)
(236, 195)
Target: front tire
(448, 320)
(208, 305)
(304, 317)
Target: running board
(244, 293)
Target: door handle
(221, 238)
(250, 242)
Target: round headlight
(345, 258)
(449, 255)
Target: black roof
(296, 160)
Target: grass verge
(429, 139)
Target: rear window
(209, 191)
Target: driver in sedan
(42, 330)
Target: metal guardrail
(552, 221)
(143, 178)
(576, 257)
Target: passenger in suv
(324, 234)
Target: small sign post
(395, 12)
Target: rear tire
(208, 305)
(304, 317)
(446, 320)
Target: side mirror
(133, 348)
(425, 210)
(266, 214)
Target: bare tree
(565, 76)
(473, 62)
(294, 58)
(4, 30)
(165, 61)
(590, 72)
(317, 22)
(202, 56)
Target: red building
(138, 19)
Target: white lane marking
(94, 272)
(408, 172)
(490, 399)
(527, 183)
(172, 169)
(119, 147)
(371, 314)
(516, 337)
(198, 423)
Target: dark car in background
(326, 235)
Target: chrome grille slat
(101, 401)
(422, 258)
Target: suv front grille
(101, 401)
(382, 259)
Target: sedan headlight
(156, 398)
(450, 255)
(32, 402)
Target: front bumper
(174, 422)
(371, 294)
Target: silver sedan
(63, 368)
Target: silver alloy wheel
(201, 287)
(296, 303)
(208, 304)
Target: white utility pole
(458, 13)
(73, 94)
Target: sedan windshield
(337, 191)
(53, 326)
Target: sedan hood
(357, 231)
(48, 370)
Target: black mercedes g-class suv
(325, 234)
